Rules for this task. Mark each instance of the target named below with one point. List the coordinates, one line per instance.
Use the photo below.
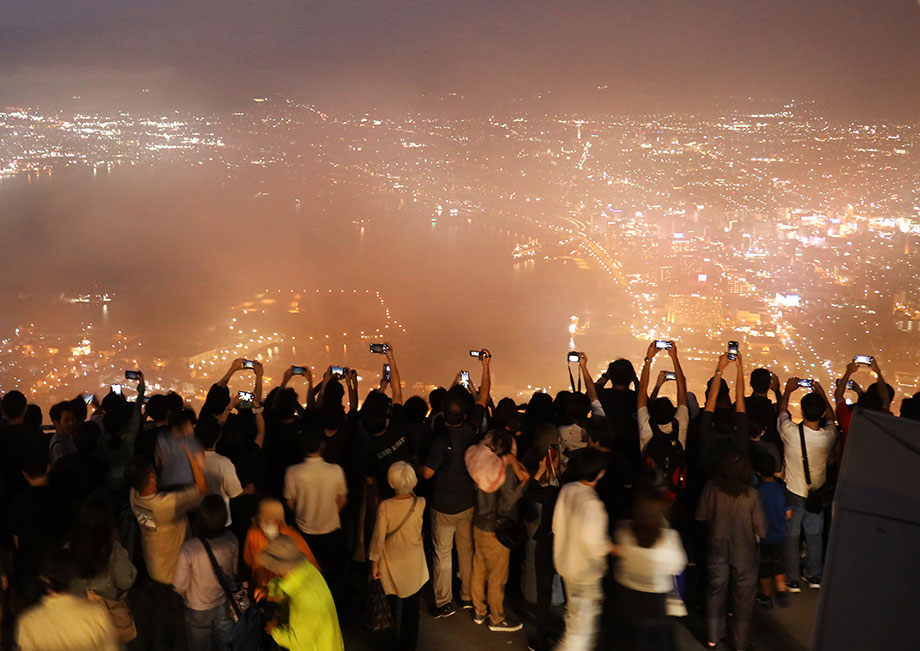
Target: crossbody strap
(404, 520)
(804, 454)
(219, 573)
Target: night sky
(855, 57)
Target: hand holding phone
(247, 398)
(465, 378)
(661, 344)
(132, 375)
(733, 350)
(337, 371)
(863, 359)
(379, 349)
(298, 370)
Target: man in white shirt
(660, 416)
(580, 547)
(819, 444)
(219, 472)
(316, 492)
(573, 437)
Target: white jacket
(581, 543)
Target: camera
(116, 389)
(670, 375)
(298, 370)
(246, 397)
(661, 344)
(465, 378)
(87, 398)
(574, 357)
(386, 372)
(379, 349)
(248, 363)
(476, 353)
(807, 384)
(864, 359)
(132, 375)
(733, 350)
(337, 371)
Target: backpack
(665, 452)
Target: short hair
(436, 398)
(33, 415)
(813, 407)
(734, 474)
(621, 372)
(910, 408)
(35, 463)
(500, 440)
(311, 441)
(870, 399)
(402, 478)
(80, 408)
(374, 412)
(761, 379)
(212, 516)
(457, 405)
(137, 472)
(286, 402)
(765, 465)
(157, 408)
(86, 437)
(586, 464)
(333, 392)
(577, 406)
(14, 404)
(416, 409)
(56, 413)
(216, 402)
(661, 411)
(601, 430)
(183, 416)
(208, 432)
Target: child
(773, 495)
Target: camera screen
(806, 383)
(132, 375)
(475, 353)
(661, 344)
(464, 377)
(116, 389)
(298, 370)
(863, 359)
(338, 371)
(246, 396)
(573, 357)
(379, 349)
(248, 363)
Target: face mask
(270, 530)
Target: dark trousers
(404, 636)
(546, 572)
(160, 617)
(726, 564)
(644, 620)
(332, 554)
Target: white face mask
(270, 530)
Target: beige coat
(401, 558)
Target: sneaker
(444, 611)
(479, 619)
(813, 582)
(506, 626)
(466, 604)
(793, 586)
(782, 598)
(764, 602)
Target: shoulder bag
(378, 616)
(818, 498)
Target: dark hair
(374, 412)
(33, 415)
(577, 406)
(91, 538)
(35, 463)
(661, 411)
(175, 401)
(539, 410)
(181, 417)
(870, 400)
(436, 399)
(501, 441)
(286, 402)
(457, 405)
(621, 372)
(734, 475)
(755, 428)
(586, 464)
(80, 408)
(86, 437)
(56, 568)
(416, 409)
(216, 402)
(331, 416)
(910, 408)
(137, 472)
(333, 392)
(157, 408)
(212, 517)
(208, 432)
(760, 380)
(724, 399)
(765, 465)
(56, 413)
(601, 430)
(311, 441)
(648, 517)
(14, 404)
(813, 407)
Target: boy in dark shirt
(772, 566)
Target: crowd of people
(274, 523)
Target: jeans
(730, 569)
(445, 529)
(490, 566)
(208, 630)
(581, 616)
(813, 524)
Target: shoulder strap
(804, 454)
(219, 573)
(405, 519)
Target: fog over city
(185, 186)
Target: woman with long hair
(735, 515)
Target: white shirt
(819, 444)
(221, 478)
(581, 543)
(314, 486)
(682, 416)
(573, 437)
(649, 569)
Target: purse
(378, 616)
(818, 498)
(510, 533)
(120, 614)
(238, 601)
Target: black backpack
(665, 452)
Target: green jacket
(313, 624)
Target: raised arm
(642, 398)
(881, 386)
(660, 382)
(841, 389)
(235, 366)
(740, 406)
(485, 385)
(716, 385)
(590, 389)
(394, 376)
(257, 388)
(351, 381)
(829, 411)
(679, 376)
(791, 385)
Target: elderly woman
(267, 525)
(397, 556)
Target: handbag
(818, 498)
(509, 532)
(238, 601)
(378, 616)
(120, 614)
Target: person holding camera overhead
(661, 416)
